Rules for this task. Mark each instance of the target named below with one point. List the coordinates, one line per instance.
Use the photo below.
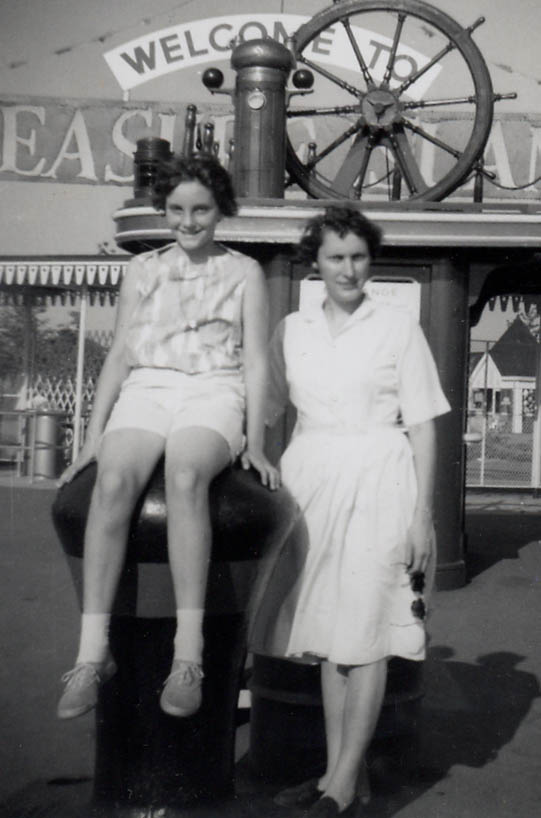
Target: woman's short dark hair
(201, 168)
(339, 219)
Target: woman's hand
(85, 456)
(420, 542)
(270, 476)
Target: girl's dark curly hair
(339, 219)
(202, 168)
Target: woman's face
(192, 214)
(344, 265)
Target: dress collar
(312, 311)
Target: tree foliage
(29, 345)
(19, 330)
(56, 354)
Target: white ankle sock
(94, 639)
(189, 636)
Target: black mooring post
(144, 758)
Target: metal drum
(287, 732)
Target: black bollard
(288, 694)
(146, 760)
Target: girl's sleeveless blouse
(188, 318)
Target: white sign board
(209, 40)
(401, 293)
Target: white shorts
(165, 400)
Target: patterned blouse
(188, 318)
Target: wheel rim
(376, 114)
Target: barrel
(48, 456)
(146, 759)
(287, 731)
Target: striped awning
(69, 272)
(61, 279)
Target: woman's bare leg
(333, 689)
(365, 689)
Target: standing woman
(186, 377)
(361, 466)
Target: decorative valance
(61, 279)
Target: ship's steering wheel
(389, 120)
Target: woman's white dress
(349, 465)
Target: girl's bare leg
(194, 456)
(126, 460)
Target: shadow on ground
(473, 711)
(492, 536)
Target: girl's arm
(421, 539)
(255, 342)
(114, 371)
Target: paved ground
(480, 737)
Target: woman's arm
(255, 342)
(114, 371)
(421, 540)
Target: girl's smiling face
(192, 214)
(343, 263)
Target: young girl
(185, 375)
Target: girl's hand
(270, 476)
(85, 456)
(420, 542)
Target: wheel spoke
(434, 139)
(394, 47)
(337, 110)
(324, 73)
(357, 51)
(333, 145)
(414, 77)
(396, 185)
(400, 147)
(375, 113)
(432, 103)
(351, 175)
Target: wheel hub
(380, 108)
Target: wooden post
(447, 331)
(79, 374)
(536, 438)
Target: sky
(47, 46)
(491, 325)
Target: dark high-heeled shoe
(364, 793)
(327, 807)
(302, 795)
